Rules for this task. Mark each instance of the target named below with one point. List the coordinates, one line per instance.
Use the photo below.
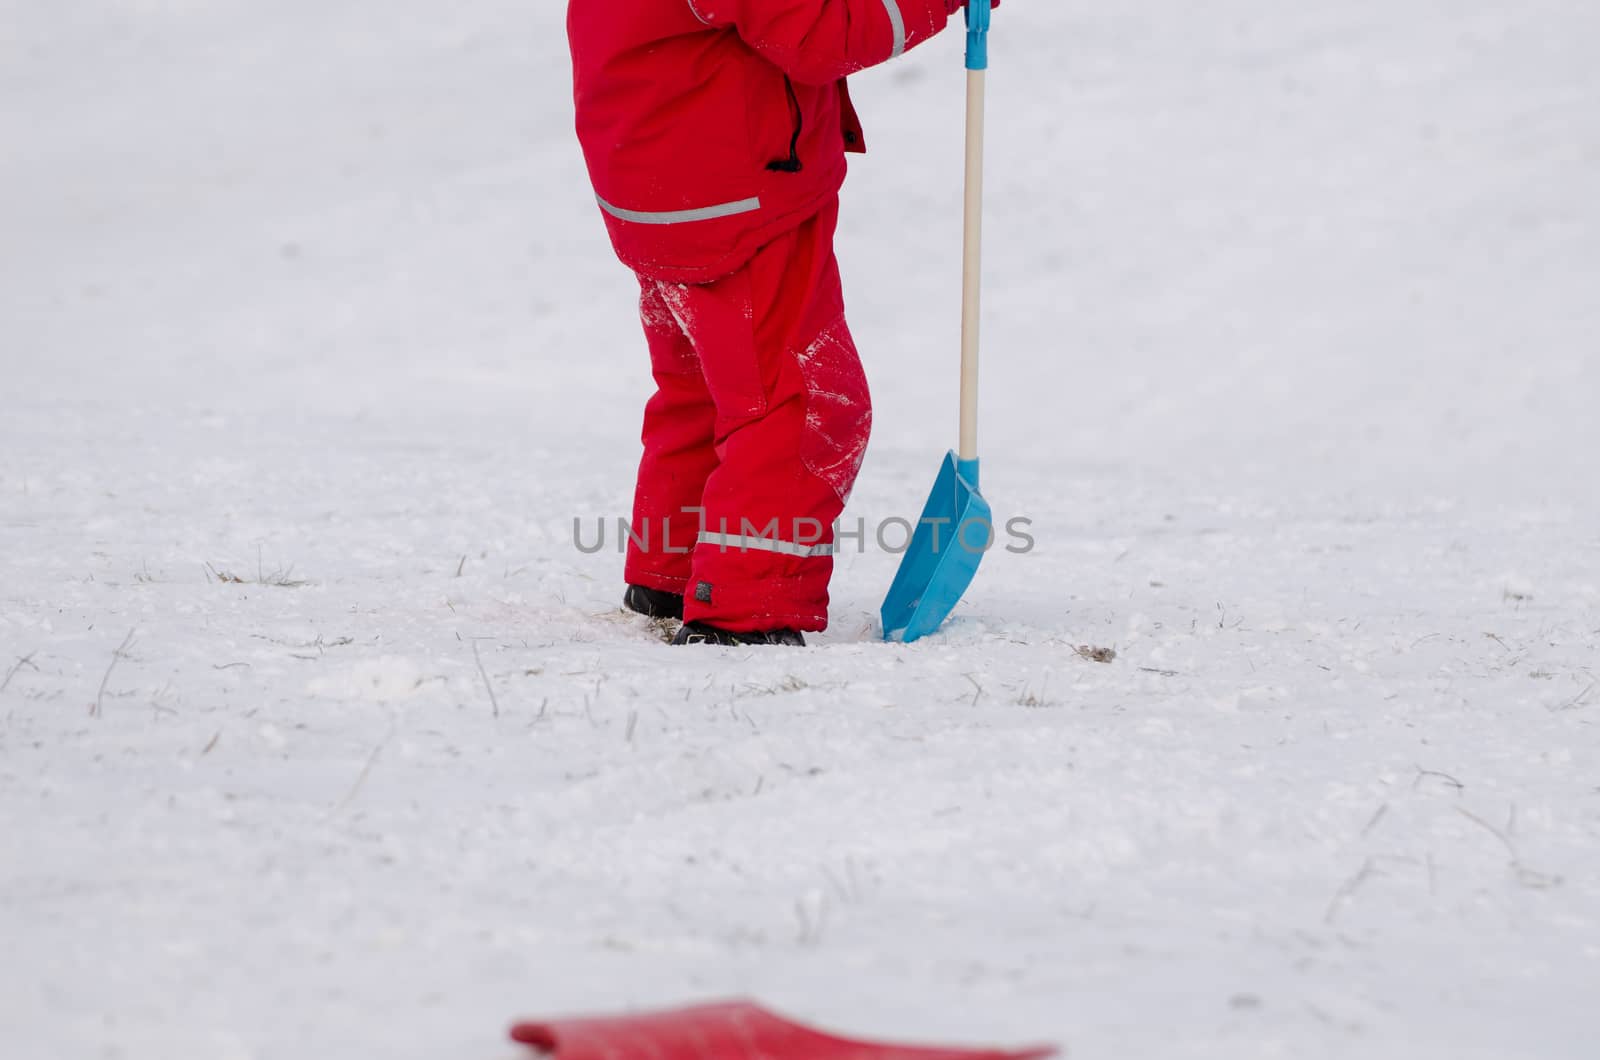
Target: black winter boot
(653, 603)
(700, 633)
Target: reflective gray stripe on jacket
(898, 21)
(679, 217)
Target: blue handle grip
(978, 16)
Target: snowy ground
(312, 349)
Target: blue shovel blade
(949, 542)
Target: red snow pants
(754, 437)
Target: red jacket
(712, 126)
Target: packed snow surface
(320, 739)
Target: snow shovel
(956, 527)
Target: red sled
(733, 1030)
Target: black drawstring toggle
(792, 163)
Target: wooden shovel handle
(972, 267)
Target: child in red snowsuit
(715, 133)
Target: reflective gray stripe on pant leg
(697, 13)
(898, 22)
(765, 544)
(678, 217)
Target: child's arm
(819, 41)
